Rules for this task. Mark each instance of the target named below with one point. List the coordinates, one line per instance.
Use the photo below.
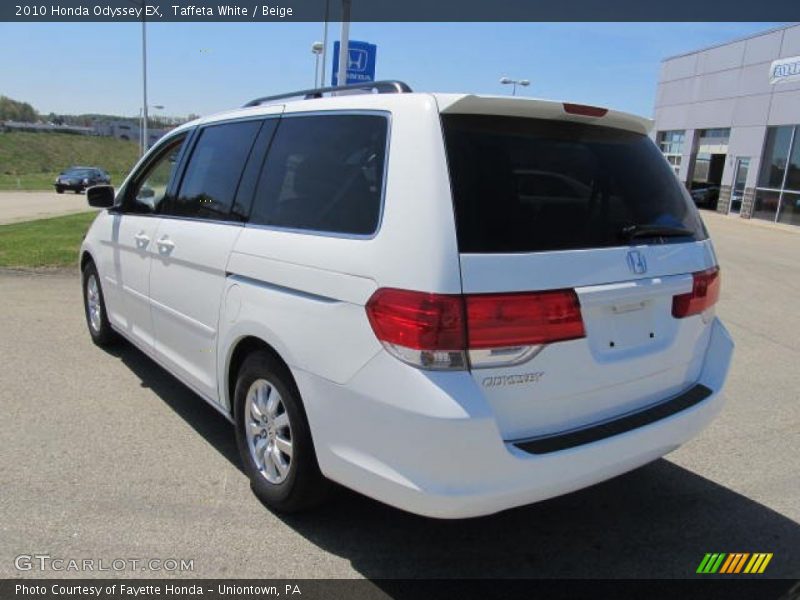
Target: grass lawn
(52, 242)
(31, 161)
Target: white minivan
(455, 304)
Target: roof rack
(382, 87)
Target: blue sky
(208, 67)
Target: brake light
(585, 110)
(704, 294)
(436, 331)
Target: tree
(12, 110)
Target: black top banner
(397, 10)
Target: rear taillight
(425, 330)
(704, 294)
(437, 331)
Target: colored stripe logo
(734, 563)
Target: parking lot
(107, 456)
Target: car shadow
(655, 522)
(201, 417)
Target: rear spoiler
(511, 106)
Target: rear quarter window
(532, 185)
(324, 173)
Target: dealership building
(727, 118)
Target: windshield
(78, 172)
(528, 185)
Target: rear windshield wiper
(639, 231)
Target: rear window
(531, 185)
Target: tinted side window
(215, 167)
(324, 173)
(150, 187)
(252, 171)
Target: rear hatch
(580, 205)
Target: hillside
(32, 160)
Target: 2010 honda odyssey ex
(454, 304)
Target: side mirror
(100, 196)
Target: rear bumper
(428, 443)
(617, 426)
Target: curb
(39, 271)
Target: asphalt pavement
(106, 456)
(27, 206)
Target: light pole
(324, 52)
(514, 83)
(140, 3)
(343, 43)
(144, 86)
(143, 130)
(158, 107)
(316, 49)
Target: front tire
(95, 307)
(59, 190)
(274, 438)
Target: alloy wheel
(268, 430)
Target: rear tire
(95, 308)
(59, 190)
(274, 438)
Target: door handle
(141, 239)
(165, 245)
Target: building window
(709, 161)
(720, 134)
(778, 190)
(671, 145)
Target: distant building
(47, 127)
(128, 130)
(729, 116)
(120, 129)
